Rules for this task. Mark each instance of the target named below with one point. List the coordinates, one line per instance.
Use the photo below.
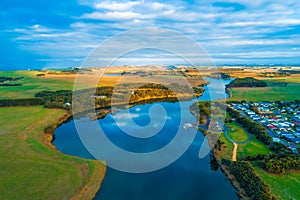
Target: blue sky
(58, 33)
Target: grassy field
(253, 148)
(31, 84)
(238, 134)
(273, 92)
(227, 148)
(294, 79)
(31, 169)
(282, 186)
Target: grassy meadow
(238, 134)
(31, 168)
(273, 92)
(282, 186)
(31, 84)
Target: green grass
(273, 92)
(31, 84)
(282, 186)
(226, 152)
(18, 73)
(236, 132)
(285, 79)
(30, 169)
(252, 148)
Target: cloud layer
(62, 33)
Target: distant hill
(247, 82)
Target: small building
(275, 139)
(67, 104)
(250, 113)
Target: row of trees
(4, 78)
(157, 91)
(50, 99)
(5, 81)
(276, 163)
(251, 183)
(281, 165)
(148, 93)
(201, 110)
(21, 102)
(56, 99)
(102, 95)
(252, 127)
(10, 84)
(104, 91)
(247, 82)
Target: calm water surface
(187, 178)
(111, 75)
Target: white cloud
(288, 22)
(259, 54)
(220, 31)
(115, 15)
(159, 6)
(279, 22)
(116, 6)
(36, 26)
(260, 42)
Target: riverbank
(32, 168)
(97, 169)
(230, 154)
(241, 192)
(102, 112)
(193, 169)
(234, 182)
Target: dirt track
(234, 152)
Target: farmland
(31, 167)
(274, 91)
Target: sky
(56, 33)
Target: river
(187, 178)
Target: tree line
(3, 79)
(247, 178)
(247, 82)
(21, 102)
(102, 95)
(280, 163)
(56, 99)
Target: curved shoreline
(240, 191)
(92, 186)
(95, 176)
(89, 190)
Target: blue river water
(187, 178)
(111, 75)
